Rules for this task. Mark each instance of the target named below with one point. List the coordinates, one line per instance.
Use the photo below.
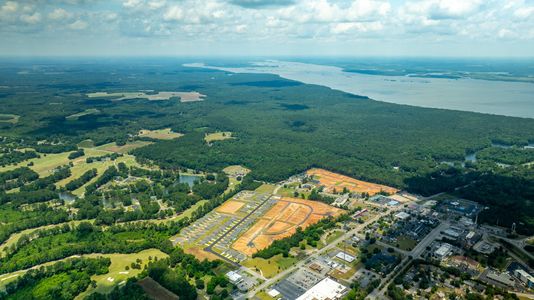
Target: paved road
(314, 255)
(209, 248)
(411, 255)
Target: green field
(159, 134)
(218, 136)
(113, 147)
(14, 238)
(117, 270)
(43, 165)
(89, 111)
(9, 118)
(270, 267)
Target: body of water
(484, 96)
(189, 179)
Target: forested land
(279, 128)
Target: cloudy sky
(268, 27)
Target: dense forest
(280, 128)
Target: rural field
(332, 181)
(218, 136)
(281, 221)
(9, 118)
(151, 96)
(159, 134)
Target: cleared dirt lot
(230, 207)
(332, 181)
(282, 220)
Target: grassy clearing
(333, 236)
(76, 116)
(117, 270)
(406, 243)
(81, 166)
(236, 170)
(14, 238)
(159, 134)
(86, 144)
(43, 165)
(113, 147)
(286, 192)
(9, 118)
(270, 267)
(263, 296)
(266, 188)
(218, 136)
(152, 96)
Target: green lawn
(117, 270)
(270, 267)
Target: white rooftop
(345, 256)
(273, 293)
(402, 215)
(325, 289)
(233, 276)
(443, 250)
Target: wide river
(493, 97)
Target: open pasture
(332, 181)
(282, 220)
(76, 116)
(236, 170)
(43, 165)
(218, 136)
(151, 96)
(159, 134)
(9, 118)
(113, 147)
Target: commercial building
(502, 278)
(345, 256)
(443, 250)
(402, 215)
(234, 277)
(524, 277)
(326, 289)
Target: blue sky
(464, 28)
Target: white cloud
(59, 14)
(174, 13)
(31, 19)
(78, 25)
(9, 7)
(280, 22)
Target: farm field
(160, 96)
(89, 111)
(332, 181)
(218, 136)
(236, 170)
(281, 221)
(9, 118)
(113, 147)
(159, 134)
